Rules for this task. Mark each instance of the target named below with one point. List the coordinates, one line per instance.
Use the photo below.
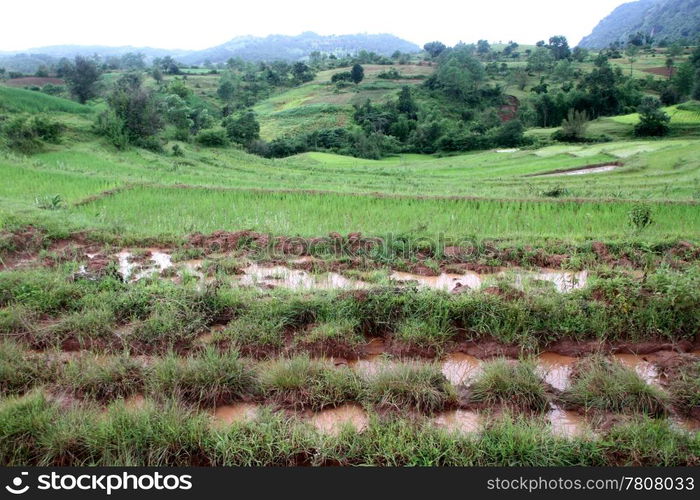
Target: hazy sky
(204, 23)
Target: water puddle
(463, 421)
(460, 368)
(583, 171)
(236, 412)
(565, 281)
(296, 279)
(686, 424)
(334, 420)
(131, 270)
(374, 358)
(646, 370)
(446, 282)
(566, 423)
(555, 369)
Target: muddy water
(463, 421)
(334, 420)
(584, 171)
(447, 282)
(687, 424)
(134, 271)
(460, 368)
(565, 281)
(555, 369)
(296, 279)
(237, 412)
(566, 423)
(646, 370)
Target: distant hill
(273, 47)
(292, 48)
(669, 20)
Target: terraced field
(529, 307)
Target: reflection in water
(687, 424)
(565, 422)
(646, 370)
(555, 369)
(564, 281)
(583, 171)
(464, 421)
(134, 271)
(236, 412)
(460, 368)
(296, 279)
(334, 420)
(446, 282)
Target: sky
(178, 24)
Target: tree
(540, 60)
(302, 73)
(406, 105)
(632, 51)
(559, 46)
(670, 63)
(483, 47)
(135, 107)
(357, 73)
(242, 129)
(653, 121)
(460, 73)
(573, 127)
(579, 54)
(82, 78)
(226, 90)
(133, 61)
(434, 48)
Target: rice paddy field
(515, 307)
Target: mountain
(292, 48)
(273, 47)
(669, 20)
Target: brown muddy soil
(21, 248)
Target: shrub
(640, 217)
(653, 121)
(212, 138)
(573, 127)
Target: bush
(25, 135)
(212, 137)
(573, 127)
(110, 126)
(653, 121)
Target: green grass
(159, 317)
(601, 384)
(103, 380)
(27, 101)
(302, 383)
(163, 211)
(684, 387)
(509, 384)
(34, 431)
(207, 379)
(397, 386)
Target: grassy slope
(318, 104)
(656, 170)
